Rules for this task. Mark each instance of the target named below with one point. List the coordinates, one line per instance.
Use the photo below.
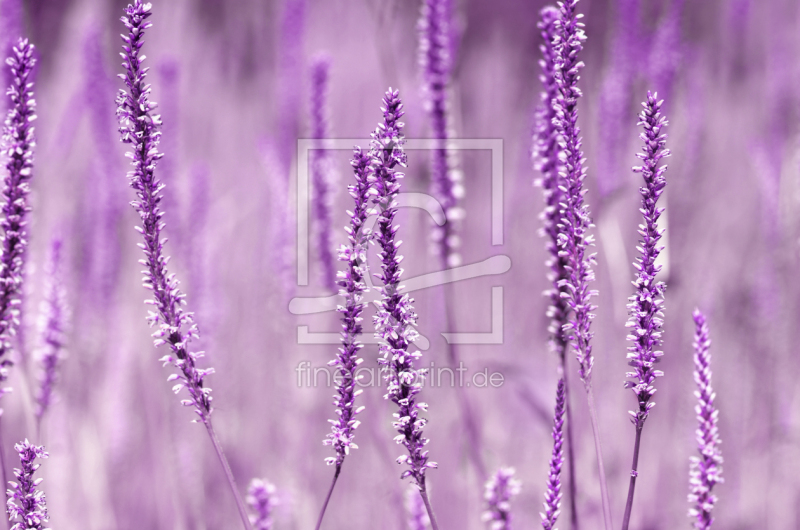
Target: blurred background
(233, 81)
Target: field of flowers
(599, 209)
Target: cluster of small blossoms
(552, 497)
(262, 501)
(706, 470)
(646, 305)
(352, 288)
(18, 144)
(436, 63)
(573, 239)
(139, 126)
(26, 504)
(395, 319)
(545, 160)
(53, 324)
(499, 491)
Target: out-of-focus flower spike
(435, 36)
(18, 144)
(499, 490)
(415, 510)
(706, 469)
(262, 500)
(53, 324)
(322, 170)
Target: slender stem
(570, 446)
(634, 473)
(229, 474)
(424, 492)
(328, 497)
(598, 449)
(473, 433)
(3, 469)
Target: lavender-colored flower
(262, 500)
(321, 167)
(552, 498)
(18, 144)
(646, 305)
(54, 321)
(574, 239)
(706, 470)
(26, 504)
(395, 320)
(352, 288)
(499, 490)
(545, 160)
(415, 508)
(140, 128)
(435, 61)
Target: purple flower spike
(352, 289)
(18, 144)
(262, 501)
(552, 498)
(436, 62)
(322, 174)
(706, 470)
(139, 126)
(576, 222)
(54, 321)
(500, 489)
(646, 305)
(396, 320)
(417, 517)
(26, 504)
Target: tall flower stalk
(395, 320)
(54, 320)
(706, 469)
(575, 240)
(552, 497)
(352, 288)
(139, 127)
(435, 59)
(322, 168)
(645, 307)
(26, 504)
(499, 491)
(545, 160)
(18, 144)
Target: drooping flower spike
(18, 144)
(706, 469)
(139, 127)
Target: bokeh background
(232, 80)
